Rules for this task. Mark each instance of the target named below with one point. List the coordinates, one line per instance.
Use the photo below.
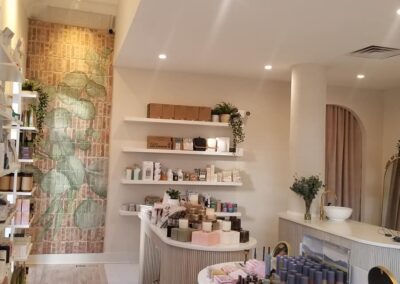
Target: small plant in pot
(225, 110)
(215, 115)
(173, 197)
(307, 188)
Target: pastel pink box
(223, 279)
(205, 239)
(25, 218)
(18, 217)
(26, 203)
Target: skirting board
(83, 258)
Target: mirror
(282, 248)
(381, 275)
(391, 194)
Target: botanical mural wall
(71, 161)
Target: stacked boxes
(179, 112)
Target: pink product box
(25, 218)
(205, 239)
(18, 217)
(26, 204)
(223, 279)
(229, 268)
(18, 205)
(235, 274)
(257, 267)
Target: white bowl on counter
(337, 213)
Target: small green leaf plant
(173, 193)
(307, 187)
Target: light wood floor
(66, 274)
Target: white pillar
(307, 129)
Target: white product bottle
(180, 175)
(170, 175)
(128, 173)
(136, 173)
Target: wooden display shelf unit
(129, 149)
(175, 121)
(193, 183)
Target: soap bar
(230, 238)
(185, 235)
(174, 234)
(235, 274)
(205, 239)
(255, 267)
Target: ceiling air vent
(376, 52)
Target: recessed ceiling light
(268, 67)
(360, 76)
(398, 12)
(162, 56)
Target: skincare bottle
(291, 279)
(128, 173)
(304, 280)
(331, 277)
(318, 277)
(268, 263)
(339, 277)
(170, 175)
(136, 173)
(180, 175)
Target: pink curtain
(343, 159)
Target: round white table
(202, 277)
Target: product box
(18, 217)
(26, 203)
(204, 114)
(154, 110)
(24, 218)
(18, 205)
(159, 142)
(205, 239)
(147, 170)
(180, 112)
(168, 111)
(191, 113)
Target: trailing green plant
(307, 187)
(236, 123)
(225, 108)
(173, 193)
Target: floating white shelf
(178, 152)
(25, 258)
(128, 213)
(195, 183)
(27, 94)
(175, 121)
(22, 128)
(24, 226)
(12, 169)
(26, 193)
(26, 161)
(228, 214)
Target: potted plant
(29, 85)
(225, 110)
(173, 197)
(215, 115)
(236, 123)
(307, 188)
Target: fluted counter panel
(368, 247)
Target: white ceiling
(238, 37)
(96, 14)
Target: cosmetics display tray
(203, 278)
(351, 230)
(162, 234)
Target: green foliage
(97, 174)
(58, 118)
(54, 182)
(83, 109)
(60, 145)
(74, 170)
(89, 215)
(225, 108)
(307, 187)
(29, 85)
(173, 194)
(215, 111)
(95, 90)
(76, 79)
(236, 123)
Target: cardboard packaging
(191, 113)
(180, 112)
(205, 238)
(204, 114)
(26, 203)
(168, 111)
(159, 142)
(230, 238)
(154, 110)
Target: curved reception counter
(367, 243)
(165, 261)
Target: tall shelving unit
(11, 78)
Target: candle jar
(5, 182)
(27, 182)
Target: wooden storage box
(204, 113)
(159, 142)
(154, 110)
(191, 113)
(167, 111)
(179, 112)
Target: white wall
(13, 16)
(125, 15)
(368, 106)
(264, 167)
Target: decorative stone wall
(71, 163)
